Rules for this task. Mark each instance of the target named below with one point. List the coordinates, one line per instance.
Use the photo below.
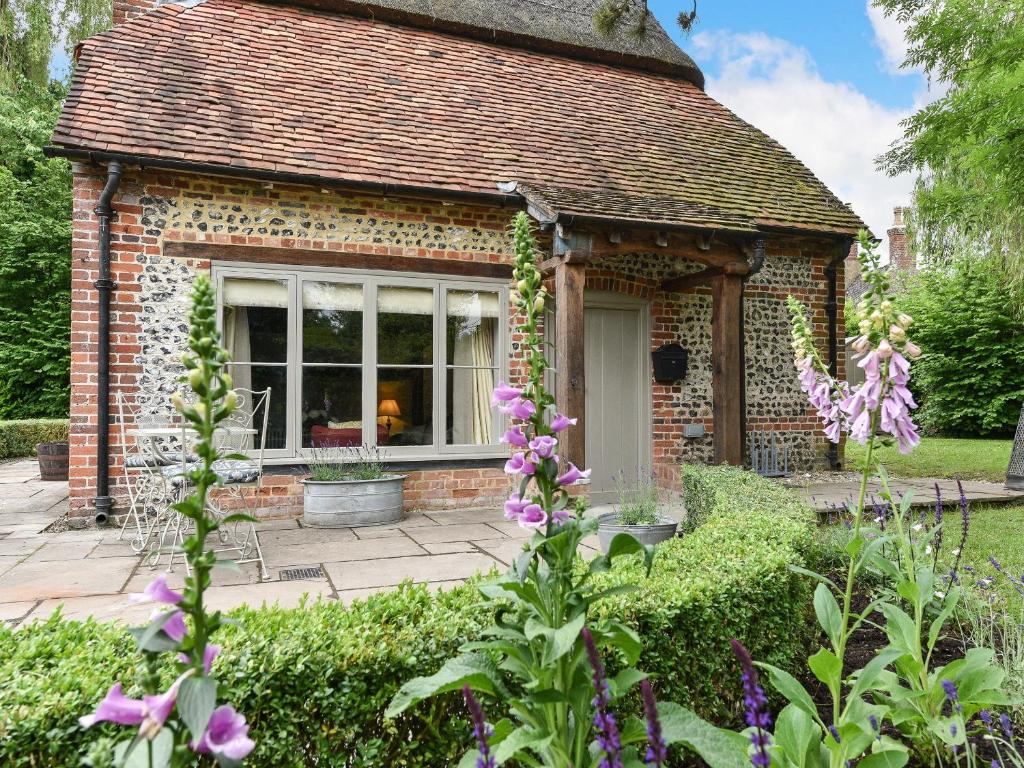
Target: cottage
(346, 171)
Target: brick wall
(150, 303)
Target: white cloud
(889, 39)
(833, 128)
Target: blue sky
(820, 76)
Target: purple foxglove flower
(543, 446)
(572, 475)
(514, 436)
(533, 516)
(756, 704)
(514, 507)
(174, 627)
(885, 350)
(562, 516)
(519, 465)
(226, 735)
(116, 708)
(158, 592)
(561, 422)
(210, 652)
(913, 351)
(503, 393)
(657, 751)
(861, 344)
(523, 409)
(481, 730)
(608, 738)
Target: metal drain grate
(297, 574)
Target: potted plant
(350, 487)
(53, 460)
(638, 513)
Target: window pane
(405, 326)
(332, 323)
(470, 420)
(255, 320)
(413, 392)
(259, 378)
(471, 328)
(332, 401)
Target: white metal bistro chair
(244, 432)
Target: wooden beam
(727, 368)
(570, 383)
(335, 259)
(677, 284)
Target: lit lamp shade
(388, 408)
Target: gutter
(300, 179)
(832, 313)
(102, 502)
(755, 267)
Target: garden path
(90, 573)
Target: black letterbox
(669, 362)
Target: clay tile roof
(245, 87)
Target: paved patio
(91, 573)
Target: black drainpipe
(104, 287)
(755, 267)
(832, 313)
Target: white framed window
(394, 360)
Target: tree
(35, 257)
(613, 13)
(31, 29)
(969, 143)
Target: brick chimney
(900, 255)
(125, 10)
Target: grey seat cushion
(144, 461)
(229, 471)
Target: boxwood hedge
(314, 682)
(20, 437)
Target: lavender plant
(178, 725)
(541, 658)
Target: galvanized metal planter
(350, 503)
(608, 527)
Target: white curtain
(236, 340)
(472, 419)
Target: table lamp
(388, 408)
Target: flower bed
(314, 683)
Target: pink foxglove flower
(543, 446)
(522, 408)
(504, 393)
(210, 652)
(174, 627)
(514, 436)
(158, 592)
(519, 464)
(562, 516)
(226, 736)
(533, 516)
(562, 422)
(116, 708)
(572, 475)
(514, 507)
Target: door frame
(610, 300)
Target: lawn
(995, 531)
(961, 459)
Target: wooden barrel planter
(53, 461)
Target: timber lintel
(679, 284)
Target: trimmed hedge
(313, 682)
(19, 438)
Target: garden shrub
(19, 438)
(314, 682)
(969, 383)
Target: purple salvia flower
(951, 695)
(986, 717)
(938, 519)
(657, 751)
(874, 726)
(481, 730)
(604, 721)
(1006, 725)
(756, 704)
(835, 734)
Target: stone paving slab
(825, 496)
(422, 568)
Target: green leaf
(472, 669)
(625, 639)
(563, 639)
(798, 736)
(718, 747)
(196, 699)
(790, 687)
(830, 617)
(135, 753)
(889, 758)
(626, 679)
(826, 667)
(521, 739)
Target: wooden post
(726, 367)
(570, 380)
